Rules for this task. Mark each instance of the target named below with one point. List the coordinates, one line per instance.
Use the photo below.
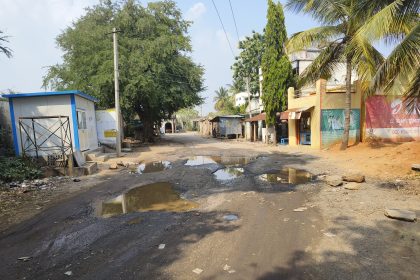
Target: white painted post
(117, 93)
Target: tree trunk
(347, 108)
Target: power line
(234, 20)
(224, 30)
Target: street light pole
(117, 93)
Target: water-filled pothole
(225, 160)
(152, 197)
(228, 173)
(200, 160)
(288, 175)
(154, 166)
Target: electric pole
(117, 93)
(249, 96)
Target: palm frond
(403, 61)
(314, 36)
(392, 22)
(366, 59)
(7, 51)
(323, 66)
(325, 11)
(412, 94)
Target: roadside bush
(17, 169)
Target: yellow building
(316, 118)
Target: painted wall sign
(332, 126)
(388, 119)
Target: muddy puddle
(200, 160)
(288, 175)
(228, 173)
(225, 160)
(152, 197)
(154, 166)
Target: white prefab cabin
(50, 119)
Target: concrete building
(48, 123)
(317, 119)
(300, 60)
(241, 98)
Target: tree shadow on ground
(385, 250)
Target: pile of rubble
(32, 185)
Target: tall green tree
(248, 62)
(4, 49)
(276, 67)
(341, 20)
(395, 21)
(157, 75)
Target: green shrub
(17, 169)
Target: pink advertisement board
(388, 119)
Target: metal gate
(47, 137)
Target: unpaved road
(268, 241)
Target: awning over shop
(259, 117)
(294, 113)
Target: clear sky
(34, 24)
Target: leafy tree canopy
(157, 76)
(276, 67)
(248, 62)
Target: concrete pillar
(255, 131)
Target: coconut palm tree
(222, 96)
(340, 20)
(3, 49)
(395, 21)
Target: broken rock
(113, 166)
(357, 178)
(334, 180)
(352, 186)
(401, 214)
(415, 167)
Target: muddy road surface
(175, 218)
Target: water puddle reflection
(200, 160)
(152, 197)
(154, 166)
(288, 175)
(228, 173)
(225, 160)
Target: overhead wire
(224, 30)
(234, 20)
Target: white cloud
(196, 11)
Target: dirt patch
(384, 160)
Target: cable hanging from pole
(234, 20)
(224, 30)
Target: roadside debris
(76, 180)
(354, 178)
(161, 246)
(352, 186)
(197, 270)
(329, 234)
(68, 273)
(300, 209)
(113, 166)
(226, 267)
(334, 180)
(415, 167)
(25, 259)
(230, 217)
(400, 214)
